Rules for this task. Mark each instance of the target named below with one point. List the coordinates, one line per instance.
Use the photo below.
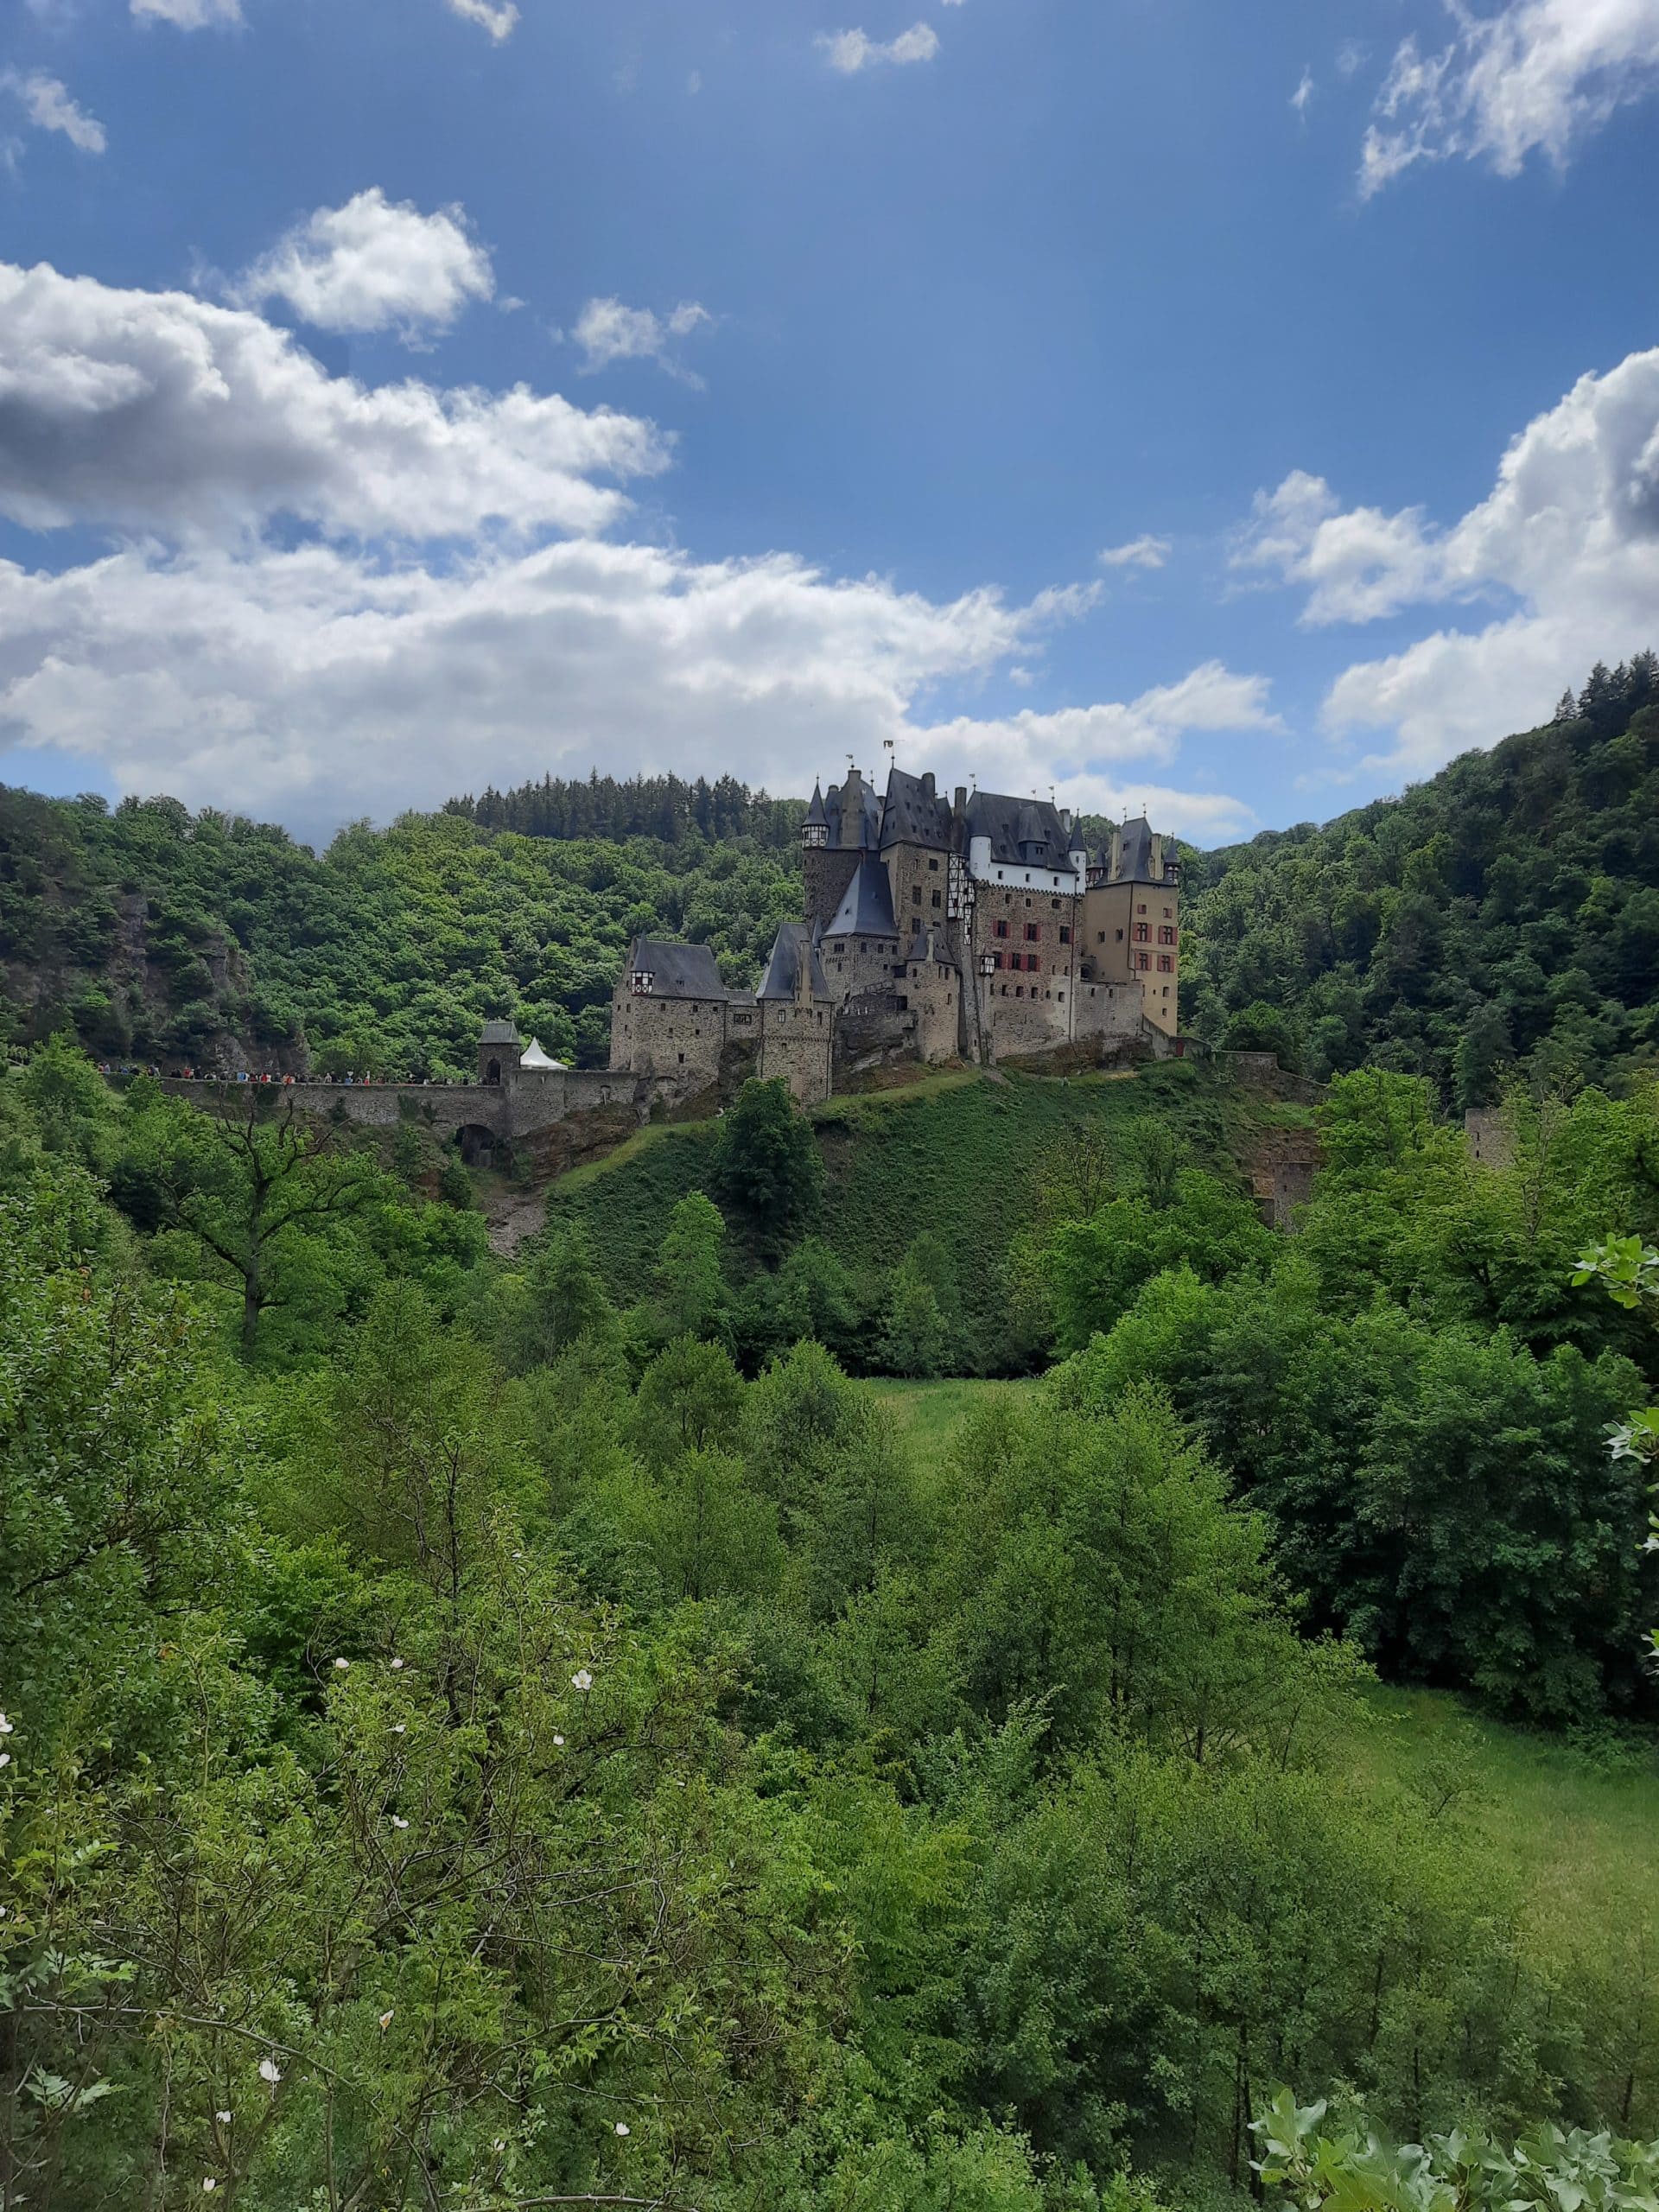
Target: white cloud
(159, 411)
(358, 673)
(499, 17)
(606, 331)
(1534, 77)
(372, 263)
(1302, 99)
(851, 51)
(1144, 552)
(49, 107)
(189, 14)
(1567, 544)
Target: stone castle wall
(797, 1042)
(828, 874)
(680, 1039)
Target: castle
(979, 928)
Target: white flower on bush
(622, 2127)
(5, 1726)
(397, 1822)
(269, 2071)
(341, 1665)
(581, 1680)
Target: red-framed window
(1166, 963)
(1166, 936)
(1001, 929)
(1143, 960)
(1034, 932)
(1142, 933)
(1065, 934)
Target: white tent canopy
(534, 1057)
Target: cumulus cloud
(1144, 552)
(373, 264)
(1534, 77)
(49, 106)
(851, 51)
(189, 14)
(499, 17)
(359, 670)
(158, 410)
(606, 331)
(1565, 550)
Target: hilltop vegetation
(1501, 919)
(155, 934)
(469, 1743)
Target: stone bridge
(546, 1119)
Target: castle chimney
(962, 798)
(928, 785)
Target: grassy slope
(1580, 1831)
(952, 1153)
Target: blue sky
(401, 395)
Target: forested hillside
(471, 1740)
(163, 936)
(1505, 915)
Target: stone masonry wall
(797, 1043)
(682, 1039)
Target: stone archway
(478, 1144)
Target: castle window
(1120, 936)
(933, 867)
(1001, 929)
(1166, 963)
(936, 898)
(1055, 903)
(1103, 936)
(1143, 960)
(1166, 936)
(1019, 990)
(1142, 933)
(1168, 911)
(682, 1059)
(1065, 934)
(1060, 998)
(1034, 932)
(1140, 910)
(916, 896)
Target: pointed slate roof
(678, 971)
(792, 944)
(914, 813)
(867, 908)
(854, 812)
(815, 816)
(1024, 832)
(1134, 847)
(500, 1033)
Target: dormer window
(644, 983)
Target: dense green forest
(661, 807)
(158, 935)
(477, 1735)
(1503, 917)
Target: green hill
(955, 1154)
(1505, 914)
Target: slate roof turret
(815, 816)
(914, 813)
(677, 971)
(792, 944)
(1023, 832)
(867, 908)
